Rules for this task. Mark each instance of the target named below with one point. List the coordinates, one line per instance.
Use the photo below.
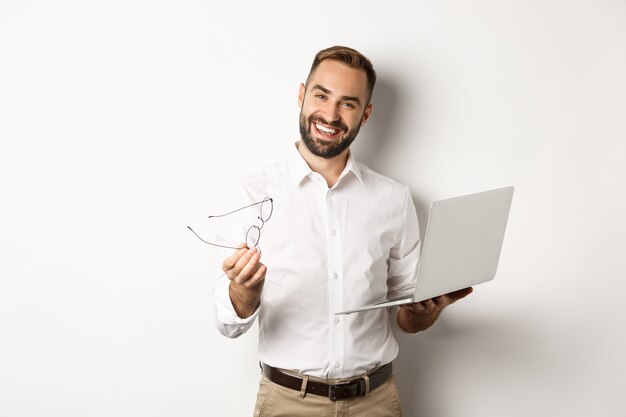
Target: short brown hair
(350, 57)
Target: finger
(429, 305)
(245, 258)
(411, 307)
(457, 295)
(258, 276)
(248, 269)
(418, 308)
(441, 301)
(241, 259)
(230, 262)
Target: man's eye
(321, 96)
(349, 105)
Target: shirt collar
(352, 166)
(299, 169)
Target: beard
(323, 148)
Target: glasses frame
(254, 226)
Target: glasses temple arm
(209, 243)
(239, 209)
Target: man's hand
(246, 275)
(413, 318)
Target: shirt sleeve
(231, 231)
(226, 319)
(404, 255)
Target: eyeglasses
(253, 235)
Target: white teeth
(325, 129)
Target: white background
(123, 121)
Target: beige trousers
(274, 400)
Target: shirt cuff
(224, 309)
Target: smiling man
(340, 235)
(334, 118)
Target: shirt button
(335, 275)
(336, 320)
(333, 232)
(337, 365)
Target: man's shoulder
(380, 181)
(276, 171)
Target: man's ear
(301, 95)
(367, 113)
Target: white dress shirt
(326, 250)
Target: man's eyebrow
(319, 87)
(327, 91)
(350, 98)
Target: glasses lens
(253, 236)
(266, 209)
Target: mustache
(337, 123)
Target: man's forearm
(245, 300)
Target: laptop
(461, 248)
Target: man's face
(333, 106)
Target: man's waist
(307, 356)
(334, 389)
(334, 372)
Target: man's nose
(330, 112)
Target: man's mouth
(326, 131)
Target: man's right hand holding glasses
(246, 274)
(243, 269)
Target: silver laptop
(461, 248)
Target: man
(340, 235)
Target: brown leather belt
(352, 388)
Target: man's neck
(330, 169)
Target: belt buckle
(343, 390)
